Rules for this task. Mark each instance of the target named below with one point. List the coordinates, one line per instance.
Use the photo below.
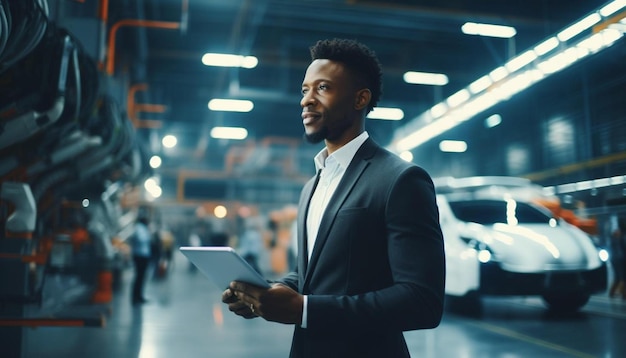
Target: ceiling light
(453, 146)
(472, 28)
(546, 46)
(425, 78)
(438, 110)
(407, 156)
(458, 98)
(493, 120)
(155, 161)
(229, 133)
(480, 84)
(230, 105)
(612, 7)
(521, 61)
(226, 60)
(498, 74)
(579, 27)
(392, 114)
(169, 141)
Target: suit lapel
(345, 187)
(307, 193)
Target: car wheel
(563, 302)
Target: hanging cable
(28, 21)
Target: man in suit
(370, 250)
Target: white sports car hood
(536, 247)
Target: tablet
(222, 265)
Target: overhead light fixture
(230, 105)
(425, 78)
(229, 133)
(438, 110)
(385, 113)
(546, 46)
(520, 61)
(473, 28)
(612, 7)
(155, 161)
(169, 141)
(453, 146)
(579, 27)
(226, 60)
(458, 98)
(407, 156)
(480, 84)
(493, 120)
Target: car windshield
(497, 211)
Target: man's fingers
(245, 291)
(228, 296)
(242, 309)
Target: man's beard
(316, 137)
(325, 133)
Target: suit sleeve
(414, 299)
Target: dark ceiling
(406, 35)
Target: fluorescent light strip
(612, 8)
(453, 146)
(521, 61)
(230, 105)
(546, 46)
(425, 78)
(579, 27)
(391, 114)
(229, 133)
(586, 185)
(227, 60)
(502, 85)
(472, 28)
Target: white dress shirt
(332, 167)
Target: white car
(499, 245)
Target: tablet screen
(222, 265)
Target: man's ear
(362, 99)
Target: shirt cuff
(304, 309)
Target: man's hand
(237, 306)
(278, 303)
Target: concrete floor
(185, 319)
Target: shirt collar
(343, 155)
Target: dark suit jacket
(378, 266)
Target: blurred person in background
(251, 243)
(618, 256)
(141, 246)
(370, 261)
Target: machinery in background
(67, 156)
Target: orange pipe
(103, 11)
(149, 123)
(133, 108)
(110, 65)
(130, 100)
(606, 23)
(156, 108)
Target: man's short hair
(358, 58)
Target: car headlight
(603, 254)
(483, 252)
